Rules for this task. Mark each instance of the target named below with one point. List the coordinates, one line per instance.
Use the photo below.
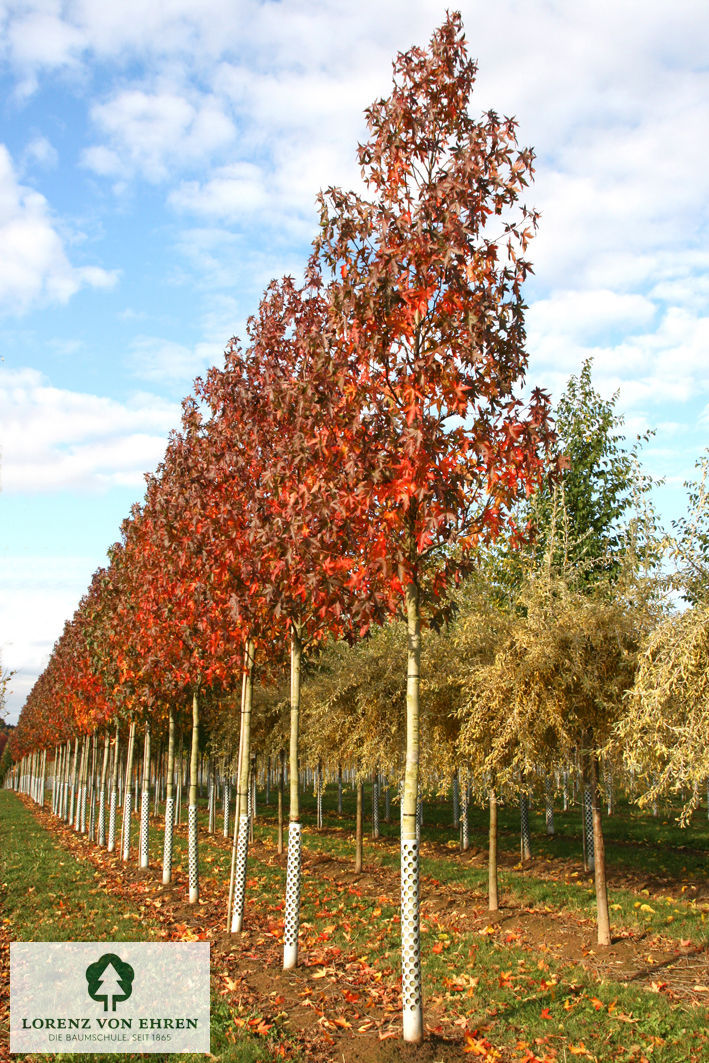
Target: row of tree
(356, 461)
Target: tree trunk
(319, 794)
(227, 795)
(235, 833)
(358, 827)
(211, 798)
(548, 806)
(74, 793)
(60, 780)
(92, 786)
(604, 925)
(525, 836)
(66, 783)
(158, 779)
(43, 778)
(241, 811)
(589, 858)
(113, 799)
(128, 793)
(492, 894)
(178, 781)
(192, 851)
(463, 821)
(292, 905)
(375, 803)
(85, 784)
(145, 801)
(54, 780)
(80, 805)
(281, 782)
(86, 787)
(169, 801)
(410, 922)
(252, 797)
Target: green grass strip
(48, 895)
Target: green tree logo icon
(110, 980)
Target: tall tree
(426, 301)
(663, 736)
(301, 531)
(557, 684)
(599, 498)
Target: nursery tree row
(363, 468)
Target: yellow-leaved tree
(556, 684)
(665, 734)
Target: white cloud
(162, 360)
(103, 161)
(587, 314)
(40, 151)
(149, 133)
(37, 594)
(33, 264)
(55, 439)
(649, 368)
(234, 192)
(39, 39)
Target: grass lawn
(47, 895)
(526, 986)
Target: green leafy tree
(602, 496)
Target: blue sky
(159, 165)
